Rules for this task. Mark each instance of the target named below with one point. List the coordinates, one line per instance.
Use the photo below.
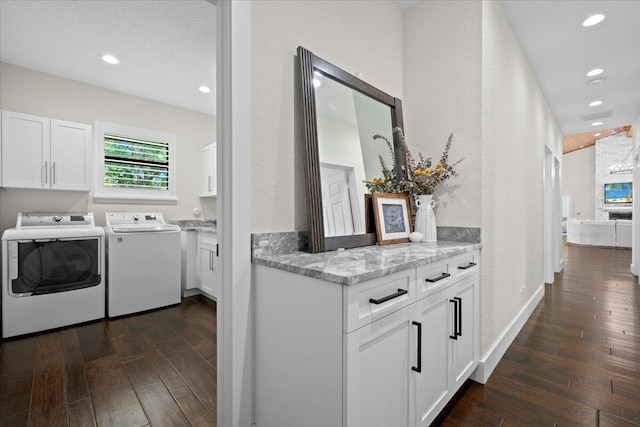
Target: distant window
(134, 165)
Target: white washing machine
(52, 272)
(143, 262)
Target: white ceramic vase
(425, 222)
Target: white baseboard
(489, 361)
(560, 266)
(632, 267)
(186, 293)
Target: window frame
(103, 194)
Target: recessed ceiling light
(595, 103)
(593, 20)
(596, 134)
(204, 89)
(316, 82)
(596, 82)
(596, 123)
(595, 72)
(110, 59)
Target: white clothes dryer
(52, 272)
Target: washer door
(56, 266)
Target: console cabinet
(391, 351)
(43, 153)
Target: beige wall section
(30, 92)
(579, 181)
(442, 95)
(359, 37)
(516, 125)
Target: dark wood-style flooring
(153, 369)
(576, 362)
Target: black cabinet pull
(217, 250)
(464, 267)
(459, 322)
(437, 279)
(455, 319)
(388, 297)
(419, 367)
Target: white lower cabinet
(205, 268)
(433, 383)
(199, 264)
(377, 381)
(465, 350)
(398, 369)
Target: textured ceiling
(561, 51)
(166, 48)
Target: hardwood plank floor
(152, 369)
(576, 362)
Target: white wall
(31, 92)
(609, 151)
(579, 180)
(515, 129)
(356, 36)
(442, 95)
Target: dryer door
(57, 265)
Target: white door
(433, 384)
(70, 156)
(379, 357)
(336, 202)
(25, 151)
(463, 348)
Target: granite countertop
(207, 226)
(351, 266)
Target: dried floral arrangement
(423, 177)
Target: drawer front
(465, 265)
(374, 299)
(433, 277)
(207, 239)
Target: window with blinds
(134, 163)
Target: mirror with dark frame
(341, 114)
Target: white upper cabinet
(208, 182)
(70, 156)
(38, 152)
(25, 150)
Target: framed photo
(393, 218)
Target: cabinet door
(208, 184)
(70, 156)
(464, 349)
(433, 383)
(25, 151)
(206, 271)
(189, 258)
(378, 362)
(216, 273)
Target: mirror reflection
(347, 120)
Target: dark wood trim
(339, 75)
(310, 127)
(308, 62)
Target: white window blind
(134, 163)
